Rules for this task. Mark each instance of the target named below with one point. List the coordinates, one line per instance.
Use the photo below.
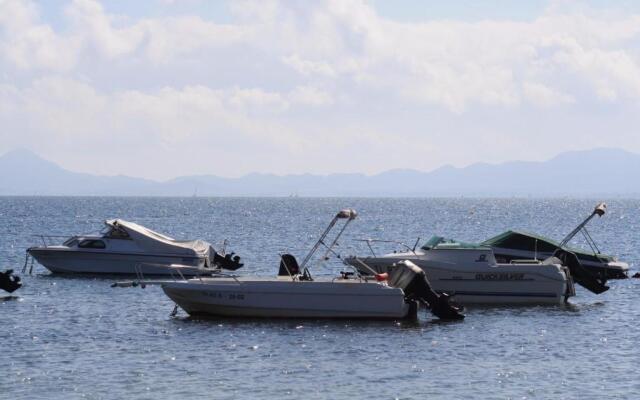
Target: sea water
(76, 337)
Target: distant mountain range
(610, 172)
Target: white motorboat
(295, 294)
(288, 298)
(128, 248)
(471, 274)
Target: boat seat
(288, 265)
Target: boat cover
(518, 240)
(156, 242)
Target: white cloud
(282, 83)
(97, 29)
(25, 43)
(543, 96)
(308, 67)
(309, 95)
(258, 98)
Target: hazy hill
(594, 172)
(24, 173)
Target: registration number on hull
(229, 296)
(500, 276)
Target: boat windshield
(439, 242)
(113, 232)
(433, 242)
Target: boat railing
(363, 264)
(226, 275)
(50, 240)
(47, 241)
(175, 275)
(369, 241)
(175, 271)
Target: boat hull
(288, 299)
(62, 261)
(497, 284)
(602, 269)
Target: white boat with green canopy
(470, 273)
(477, 273)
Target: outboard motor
(228, 261)
(288, 266)
(413, 281)
(580, 274)
(9, 282)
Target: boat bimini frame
(600, 210)
(347, 215)
(580, 274)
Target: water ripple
(78, 338)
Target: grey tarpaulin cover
(156, 242)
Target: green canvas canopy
(518, 240)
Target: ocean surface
(77, 338)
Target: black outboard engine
(9, 282)
(288, 265)
(228, 261)
(413, 281)
(580, 274)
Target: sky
(163, 88)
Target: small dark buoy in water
(636, 275)
(9, 282)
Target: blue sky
(165, 88)
(400, 10)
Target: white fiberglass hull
(603, 269)
(62, 261)
(478, 283)
(270, 298)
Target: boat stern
(617, 270)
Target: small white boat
(471, 274)
(274, 298)
(295, 294)
(128, 248)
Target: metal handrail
(45, 238)
(369, 241)
(362, 263)
(175, 276)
